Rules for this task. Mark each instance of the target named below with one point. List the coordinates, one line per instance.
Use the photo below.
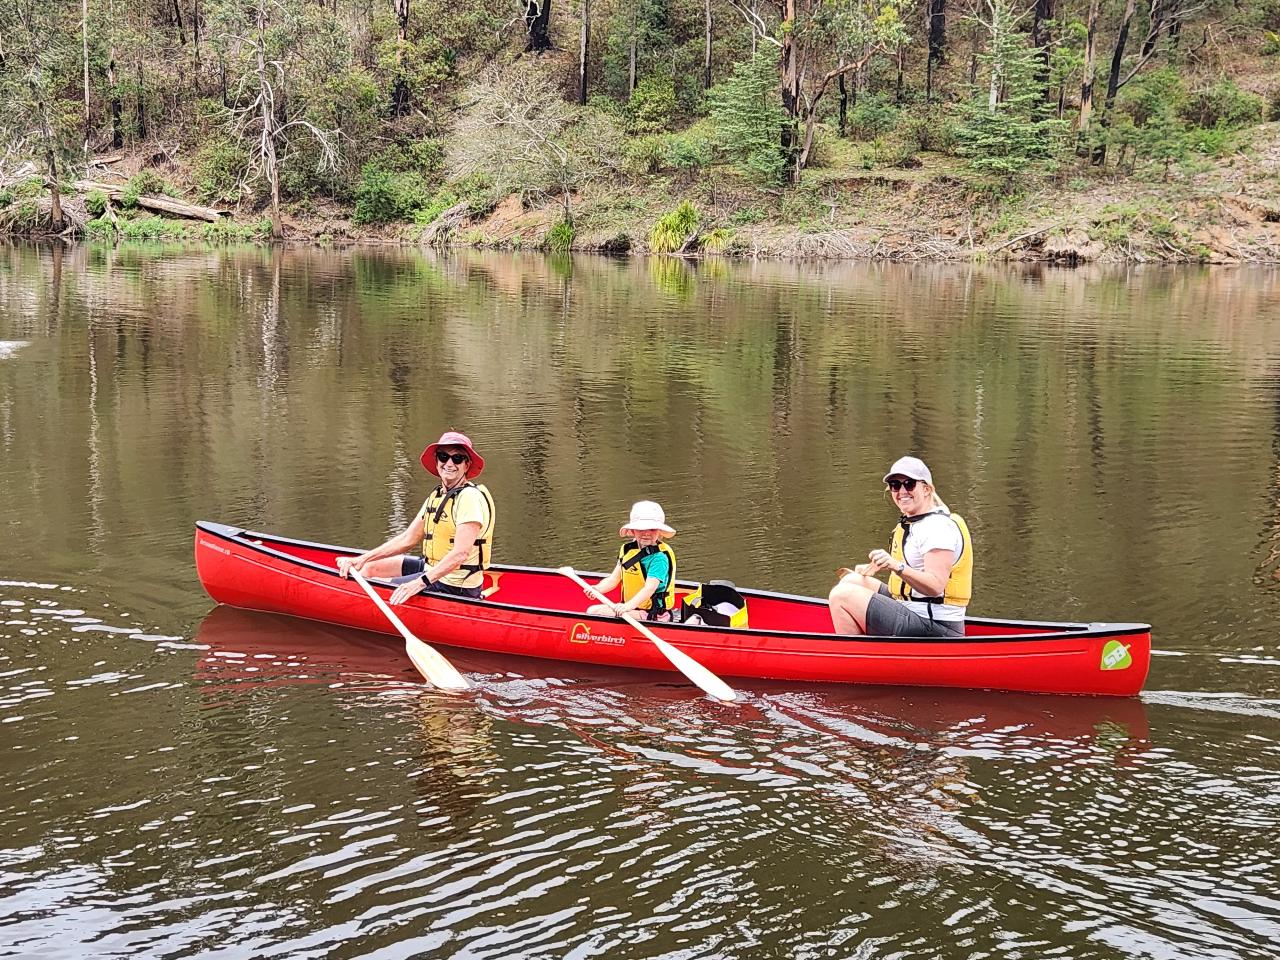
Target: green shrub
(1270, 44)
(872, 116)
(227, 230)
(96, 203)
(560, 237)
(611, 108)
(652, 106)
(151, 228)
(672, 229)
(689, 150)
(219, 169)
(747, 216)
(1223, 104)
(1156, 93)
(643, 155)
(894, 151)
(144, 182)
(383, 196)
(1212, 142)
(822, 154)
(438, 204)
(932, 129)
(100, 229)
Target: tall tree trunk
(55, 189)
(900, 80)
(789, 72)
(1155, 20)
(117, 109)
(584, 45)
(1042, 40)
(400, 89)
(266, 115)
(843, 103)
(177, 19)
(706, 56)
(1088, 73)
(937, 32)
(631, 66)
(84, 41)
(537, 23)
(195, 32)
(1113, 78)
(141, 104)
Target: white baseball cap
(912, 467)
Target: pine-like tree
(749, 118)
(1007, 128)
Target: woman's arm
(929, 582)
(401, 543)
(932, 580)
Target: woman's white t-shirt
(934, 532)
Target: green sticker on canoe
(1115, 656)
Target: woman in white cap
(646, 567)
(930, 564)
(454, 526)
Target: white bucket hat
(646, 515)
(912, 467)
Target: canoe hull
(260, 572)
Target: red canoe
(539, 613)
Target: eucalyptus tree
(40, 111)
(266, 45)
(820, 41)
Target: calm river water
(183, 781)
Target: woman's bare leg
(848, 602)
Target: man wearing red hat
(455, 527)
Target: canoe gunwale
(1052, 630)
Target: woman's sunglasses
(459, 458)
(895, 484)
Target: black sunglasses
(895, 484)
(442, 457)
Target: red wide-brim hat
(451, 439)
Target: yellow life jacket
(959, 587)
(439, 530)
(633, 578)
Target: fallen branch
(188, 211)
(438, 231)
(1026, 236)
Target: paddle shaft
(710, 684)
(429, 661)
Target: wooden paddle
(431, 664)
(712, 685)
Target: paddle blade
(434, 667)
(710, 684)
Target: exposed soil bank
(1224, 212)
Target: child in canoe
(646, 568)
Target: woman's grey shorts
(887, 617)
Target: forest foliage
(400, 110)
